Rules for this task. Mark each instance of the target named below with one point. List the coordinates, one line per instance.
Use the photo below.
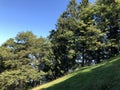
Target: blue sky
(38, 16)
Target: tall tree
(107, 18)
(62, 39)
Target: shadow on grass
(105, 77)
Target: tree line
(84, 33)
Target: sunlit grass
(53, 82)
(101, 76)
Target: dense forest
(85, 34)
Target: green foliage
(76, 30)
(18, 79)
(24, 61)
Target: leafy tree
(77, 33)
(63, 40)
(24, 61)
(107, 18)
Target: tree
(63, 40)
(107, 18)
(76, 34)
(24, 61)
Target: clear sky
(38, 16)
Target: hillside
(104, 76)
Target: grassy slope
(104, 76)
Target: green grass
(104, 76)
